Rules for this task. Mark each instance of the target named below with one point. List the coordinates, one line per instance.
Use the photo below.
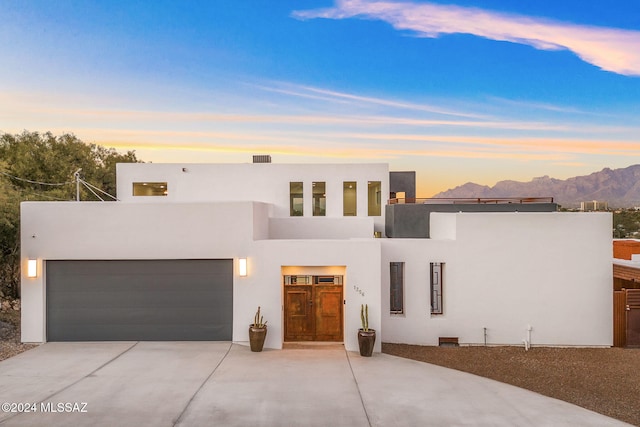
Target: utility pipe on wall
(527, 341)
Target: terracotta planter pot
(366, 340)
(256, 337)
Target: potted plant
(366, 336)
(257, 332)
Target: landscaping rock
(604, 380)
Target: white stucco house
(189, 251)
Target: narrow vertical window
(436, 287)
(319, 199)
(397, 287)
(349, 206)
(295, 199)
(374, 198)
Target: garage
(139, 300)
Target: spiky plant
(364, 316)
(258, 320)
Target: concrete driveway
(224, 384)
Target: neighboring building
(167, 261)
(626, 293)
(626, 248)
(594, 205)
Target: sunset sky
(457, 90)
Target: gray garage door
(150, 300)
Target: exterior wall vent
(448, 342)
(261, 158)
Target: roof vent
(261, 158)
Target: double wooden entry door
(313, 308)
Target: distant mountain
(618, 187)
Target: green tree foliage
(31, 159)
(626, 223)
(47, 158)
(9, 237)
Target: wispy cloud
(611, 49)
(539, 106)
(523, 145)
(17, 107)
(350, 98)
(336, 151)
(571, 164)
(313, 121)
(349, 145)
(380, 134)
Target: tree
(47, 158)
(9, 237)
(626, 223)
(36, 166)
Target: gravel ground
(604, 380)
(10, 344)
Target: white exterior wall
(505, 272)
(320, 228)
(260, 182)
(104, 231)
(415, 326)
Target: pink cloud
(610, 49)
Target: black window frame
(436, 288)
(396, 287)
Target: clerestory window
(150, 189)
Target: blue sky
(458, 91)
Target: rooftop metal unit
(261, 158)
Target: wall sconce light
(242, 267)
(32, 268)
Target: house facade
(191, 250)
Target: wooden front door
(313, 311)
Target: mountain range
(618, 187)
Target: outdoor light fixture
(242, 267)
(32, 268)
